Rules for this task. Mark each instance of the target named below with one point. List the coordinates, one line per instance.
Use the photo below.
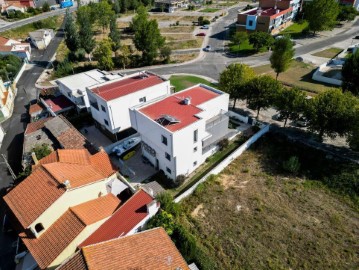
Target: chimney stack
(67, 184)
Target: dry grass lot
(299, 74)
(328, 53)
(185, 44)
(255, 217)
(178, 29)
(167, 18)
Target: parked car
(302, 122)
(279, 117)
(201, 35)
(208, 48)
(205, 27)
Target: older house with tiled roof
(11, 46)
(180, 131)
(110, 101)
(53, 192)
(152, 249)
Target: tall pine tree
(114, 34)
(71, 34)
(86, 36)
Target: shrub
(162, 219)
(45, 7)
(180, 180)
(41, 151)
(168, 205)
(205, 22)
(177, 23)
(77, 56)
(222, 144)
(63, 69)
(292, 165)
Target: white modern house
(41, 38)
(110, 101)
(180, 131)
(73, 87)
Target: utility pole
(9, 167)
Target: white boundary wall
(22, 69)
(220, 167)
(318, 76)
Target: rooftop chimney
(277, 11)
(67, 184)
(187, 101)
(34, 158)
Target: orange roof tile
(75, 262)
(3, 40)
(74, 156)
(49, 245)
(96, 210)
(31, 127)
(29, 199)
(102, 162)
(35, 108)
(72, 139)
(52, 157)
(152, 249)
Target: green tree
(45, 7)
(148, 37)
(290, 103)
(125, 56)
(103, 54)
(347, 13)
(168, 205)
(200, 20)
(261, 92)
(114, 35)
(140, 19)
(233, 80)
(163, 219)
(123, 5)
(331, 113)
(104, 14)
(165, 53)
(239, 38)
(321, 14)
(350, 73)
(282, 55)
(86, 36)
(71, 35)
(353, 136)
(260, 40)
(116, 6)
(85, 13)
(41, 151)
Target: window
(143, 99)
(250, 23)
(168, 170)
(195, 135)
(103, 108)
(39, 227)
(94, 104)
(164, 140)
(168, 156)
(194, 163)
(106, 122)
(195, 149)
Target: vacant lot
(254, 216)
(185, 44)
(299, 74)
(328, 53)
(177, 29)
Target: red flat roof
(127, 86)
(59, 103)
(174, 107)
(123, 220)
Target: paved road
(36, 18)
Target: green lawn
(210, 10)
(182, 82)
(299, 74)
(328, 53)
(244, 48)
(295, 29)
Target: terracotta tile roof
(35, 108)
(96, 210)
(119, 88)
(29, 199)
(3, 100)
(40, 190)
(54, 240)
(3, 40)
(102, 162)
(58, 103)
(152, 249)
(75, 262)
(174, 106)
(72, 139)
(31, 127)
(123, 220)
(5, 48)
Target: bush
(162, 219)
(63, 69)
(168, 205)
(346, 182)
(206, 22)
(179, 180)
(222, 144)
(292, 165)
(45, 7)
(41, 151)
(77, 56)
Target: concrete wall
(220, 167)
(67, 92)
(18, 75)
(71, 198)
(318, 76)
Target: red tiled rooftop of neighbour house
(123, 220)
(5, 48)
(3, 40)
(174, 107)
(62, 232)
(271, 12)
(35, 108)
(59, 103)
(127, 86)
(31, 127)
(29, 199)
(151, 249)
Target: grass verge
(182, 82)
(328, 53)
(299, 74)
(209, 10)
(243, 49)
(296, 29)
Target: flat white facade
(113, 115)
(187, 148)
(74, 87)
(41, 38)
